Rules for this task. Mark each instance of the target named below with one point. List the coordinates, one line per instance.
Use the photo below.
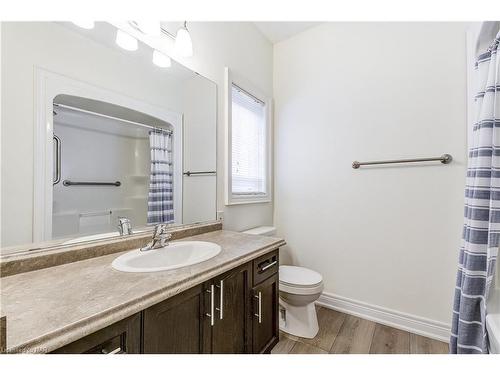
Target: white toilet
(299, 288)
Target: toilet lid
(299, 276)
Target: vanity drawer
(115, 345)
(119, 338)
(265, 266)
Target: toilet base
(299, 321)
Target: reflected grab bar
(90, 183)
(445, 159)
(57, 154)
(207, 173)
(96, 213)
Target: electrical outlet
(220, 215)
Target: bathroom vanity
(228, 304)
(236, 312)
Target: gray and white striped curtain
(481, 232)
(160, 199)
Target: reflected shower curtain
(479, 250)
(160, 198)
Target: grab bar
(57, 177)
(207, 173)
(445, 159)
(96, 213)
(90, 183)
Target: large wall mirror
(93, 133)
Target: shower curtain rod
(111, 117)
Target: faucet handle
(160, 229)
(124, 225)
(160, 237)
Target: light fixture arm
(169, 34)
(165, 32)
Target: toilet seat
(299, 280)
(294, 289)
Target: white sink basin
(175, 255)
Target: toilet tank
(262, 231)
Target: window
(248, 118)
(248, 141)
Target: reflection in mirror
(134, 155)
(118, 143)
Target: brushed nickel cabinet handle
(211, 315)
(220, 309)
(114, 351)
(266, 267)
(259, 314)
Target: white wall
(385, 236)
(241, 47)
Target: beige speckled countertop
(51, 307)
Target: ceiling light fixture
(161, 60)
(126, 41)
(85, 24)
(183, 44)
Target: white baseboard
(415, 324)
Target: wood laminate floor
(340, 333)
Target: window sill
(233, 202)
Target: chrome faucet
(124, 226)
(160, 238)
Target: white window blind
(248, 152)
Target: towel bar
(445, 159)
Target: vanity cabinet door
(177, 325)
(231, 332)
(265, 326)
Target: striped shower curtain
(160, 199)
(481, 232)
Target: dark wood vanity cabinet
(176, 325)
(210, 318)
(231, 329)
(265, 325)
(236, 312)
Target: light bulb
(85, 24)
(183, 44)
(161, 60)
(126, 41)
(151, 28)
